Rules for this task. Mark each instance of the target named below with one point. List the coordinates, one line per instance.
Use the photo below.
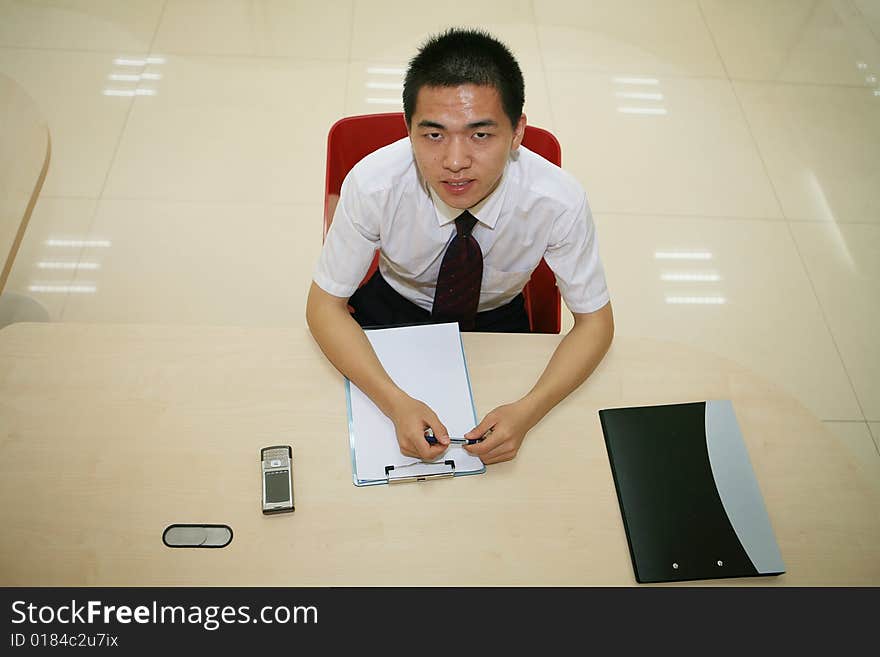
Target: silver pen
(464, 441)
(429, 436)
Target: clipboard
(428, 362)
(690, 501)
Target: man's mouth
(458, 186)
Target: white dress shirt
(537, 210)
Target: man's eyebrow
(484, 123)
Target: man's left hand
(503, 430)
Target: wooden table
(110, 433)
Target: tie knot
(464, 223)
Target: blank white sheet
(428, 363)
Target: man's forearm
(348, 349)
(574, 360)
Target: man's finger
(491, 441)
(428, 452)
(441, 434)
(483, 428)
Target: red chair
(352, 138)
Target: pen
(452, 441)
(455, 441)
(465, 441)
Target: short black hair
(465, 56)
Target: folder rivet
(720, 563)
(675, 565)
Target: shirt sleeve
(573, 255)
(351, 241)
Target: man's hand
(573, 361)
(411, 417)
(504, 429)
(347, 347)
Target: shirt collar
(486, 211)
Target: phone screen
(277, 486)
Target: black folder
(690, 502)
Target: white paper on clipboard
(428, 363)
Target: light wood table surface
(110, 433)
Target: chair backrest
(354, 137)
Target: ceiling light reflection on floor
(139, 61)
(709, 301)
(134, 77)
(638, 95)
(647, 96)
(643, 110)
(649, 81)
(68, 265)
(379, 70)
(129, 92)
(683, 255)
(691, 278)
(394, 86)
(80, 243)
(75, 289)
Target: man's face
(461, 139)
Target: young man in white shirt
(463, 98)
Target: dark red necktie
(461, 274)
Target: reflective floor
(730, 150)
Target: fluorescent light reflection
(379, 70)
(638, 95)
(385, 84)
(129, 92)
(132, 61)
(821, 201)
(708, 301)
(384, 101)
(122, 61)
(394, 86)
(648, 81)
(68, 265)
(136, 77)
(647, 95)
(683, 255)
(76, 289)
(690, 278)
(642, 110)
(133, 77)
(80, 243)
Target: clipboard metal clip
(403, 479)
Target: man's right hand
(411, 418)
(347, 347)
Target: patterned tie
(461, 274)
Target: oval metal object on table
(197, 536)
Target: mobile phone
(277, 471)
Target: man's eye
(482, 135)
(433, 136)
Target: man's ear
(519, 131)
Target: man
(459, 189)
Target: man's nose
(457, 156)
